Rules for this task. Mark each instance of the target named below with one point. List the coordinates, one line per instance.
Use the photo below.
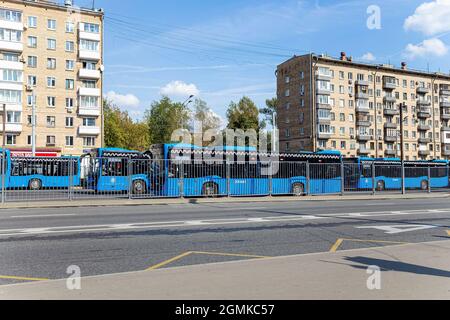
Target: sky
(220, 51)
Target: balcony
(90, 36)
(324, 75)
(11, 46)
(324, 120)
(324, 135)
(390, 125)
(12, 25)
(390, 152)
(391, 112)
(445, 104)
(89, 74)
(424, 153)
(90, 131)
(363, 151)
(389, 83)
(446, 150)
(445, 128)
(445, 116)
(94, 92)
(323, 91)
(423, 127)
(362, 95)
(389, 99)
(445, 92)
(422, 102)
(425, 140)
(89, 55)
(12, 127)
(12, 65)
(89, 111)
(362, 109)
(423, 90)
(363, 123)
(363, 137)
(324, 106)
(389, 138)
(424, 113)
(362, 83)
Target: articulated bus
(40, 173)
(241, 171)
(388, 174)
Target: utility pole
(374, 76)
(402, 147)
(3, 153)
(33, 125)
(274, 133)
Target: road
(37, 244)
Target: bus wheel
(298, 189)
(424, 185)
(210, 190)
(138, 187)
(380, 186)
(35, 184)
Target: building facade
(51, 59)
(339, 104)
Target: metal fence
(97, 178)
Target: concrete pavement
(413, 271)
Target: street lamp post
(3, 152)
(185, 104)
(402, 146)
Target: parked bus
(359, 174)
(117, 170)
(242, 171)
(40, 173)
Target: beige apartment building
(51, 57)
(327, 103)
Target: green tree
(163, 118)
(243, 115)
(114, 132)
(209, 121)
(269, 110)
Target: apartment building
(336, 103)
(51, 57)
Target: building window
(29, 140)
(88, 141)
(50, 121)
(32, 61)
(89, 45)
(51, 24)
(51, 102)
(30, 100)
(69, 141)
(51, 44)
(11, 139)
(32, 22)
(91, 84)
(70, 27)
(32, 81)
(32, 42)
(51, 141)
(70, 65)
(89, 65)
(11, 75)
(70, 84)
(287, 93)
(13, 117)
(10, 96)
(70, 46)
(51, 82)
(51, 63)
(89, 101)
(69, 103)
(91, 27)
(10, 15)
(69, 122)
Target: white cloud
(123, 100)
(179, 89)
(430, 18)
(429, 47)
(368, 57)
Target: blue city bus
(117, 170)
(388, 174)
(206, 173)
(36, 173)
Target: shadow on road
(388, 265)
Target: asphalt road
(43, 243)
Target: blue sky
(222, 50)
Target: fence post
(403, 178)
(3, 174)
(130, 178)
(429, 179)
(342, 179)
(71, 172)
(270, 177)
(227, 166)
(181, 179)
(308, 180)
(374, 179)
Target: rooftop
(59, 4)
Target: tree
(269, 110)
(163, 118)
(207, 119)
(243, 115)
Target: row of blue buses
(173, 170)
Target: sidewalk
(165, 201)
(414, 271)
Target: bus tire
(424, 185)
(138, 187)
(35, 184)
(380, 186)
(210, 190)
(298, 189)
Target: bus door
(114, 175)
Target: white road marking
(210, 222)
(44, 216)
(395, 229)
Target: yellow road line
(336, 245)
(230, 254)
(448, 232)
(166, 262)
(339, 242)
(23, 278)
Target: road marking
(44, 216)
(23, 278)
(206, 222)
(188, 253)
(448, 232)
(339, 242)
(395, 229)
